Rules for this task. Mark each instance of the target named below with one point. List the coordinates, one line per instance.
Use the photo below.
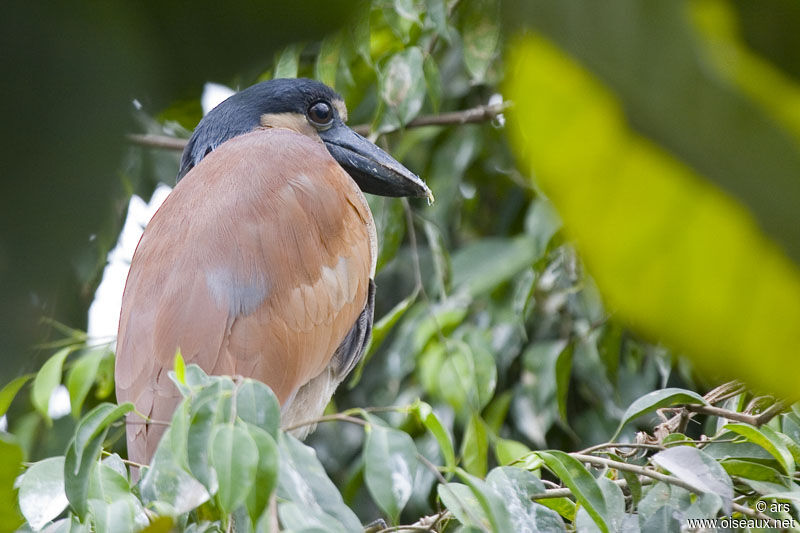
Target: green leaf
(632, 479)
(436, 14)
(433, 82)
(328, 60)
(475, 446)
(401, 16)
(205, 413)
(468, 376)
(481, 35)
(515, 487)
(81, 377)
(295, 517)
(665, 520)
(107, 484)
(234, 455)
(432, 423)
(161, 524)
(194, 376)
(256, 404)
(542, 223)
(11, 389)
(390, 223)
(111, 504)
(615, 507)
(509, 451)
(582, 484)
(361, 39)
(402, 84)
(123, 515)
(84, 450)
(495, 413)
(180, 367)
(390, 464)
(95, 421)
(462, 502)
(705, 505)
(41, 492)
(441, 258)
(211, 405)
(47, 379)
(266, 472)
(168, 485)
(492, 504)
(415, 332)
(491, 261)
(104, 381)
(563, 373)
(78, 471)
(699, 470)
(752, 471)
(656, 400)
(563, 506)
(10, 468)
(288, 62)
(768, 439)
(408, 9)
(302, 479)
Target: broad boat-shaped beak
(375, 171)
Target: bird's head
(310, 108)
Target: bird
(261, 261)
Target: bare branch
(151, 140)
(473, 115)
(754, 420)
(481, 113)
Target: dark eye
(320, 114)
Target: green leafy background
(615, 240)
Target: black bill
(375, 171)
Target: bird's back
(257, 264)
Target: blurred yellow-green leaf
(675, 256)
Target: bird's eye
(320, 114)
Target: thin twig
(564, 492)
(634, 445)
(124, 461)
(134, 422)
(480, 113)
(327, 418)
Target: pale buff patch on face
(290, 121)
(341, 109)
(299, 123)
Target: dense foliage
(493, 356)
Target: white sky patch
(213, 95)
(59, 405)
(104, 311)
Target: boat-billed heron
(260, 263)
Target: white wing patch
(241, 297)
